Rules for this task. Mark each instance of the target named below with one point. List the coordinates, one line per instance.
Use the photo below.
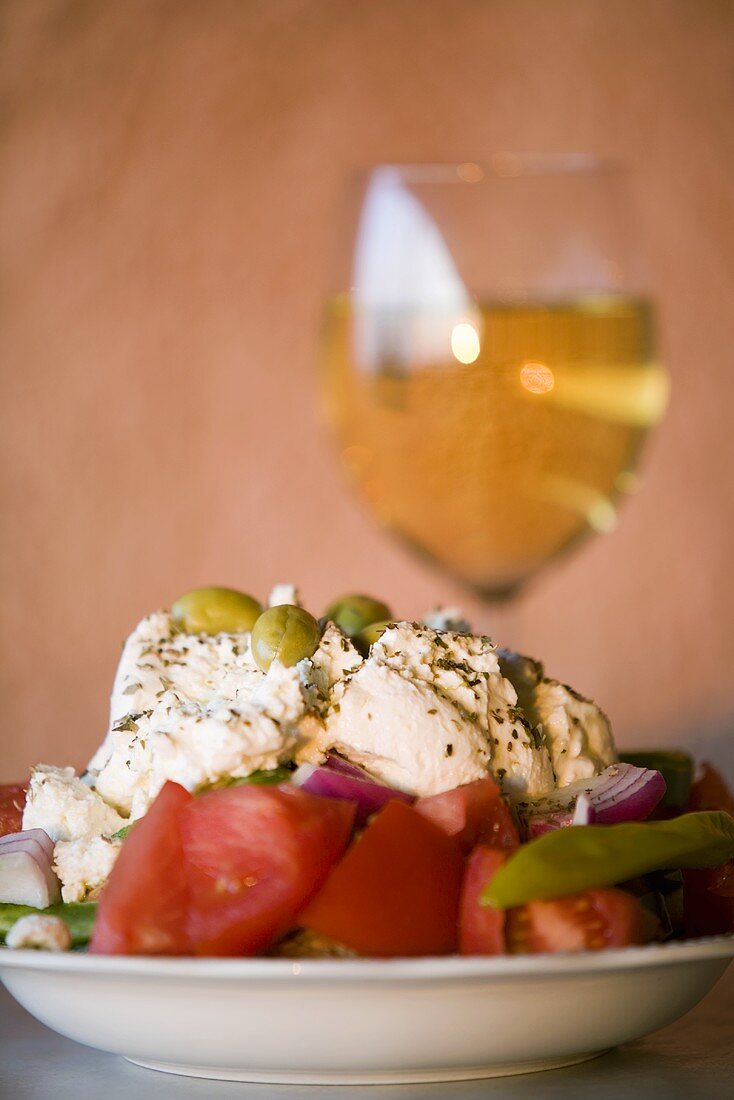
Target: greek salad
(271, 783)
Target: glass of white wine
(489, 358)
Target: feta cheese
(84, 865)
(335, 659)
(190, 745)
(524, 674)
(577, 732)
(157, 659)
(447, 618)
(313, 742)
(432, 707)
(39, 932)
(193, 708)
(283, 694)
(430, 710)
(66, 807)
(405, 734)
(284, 593)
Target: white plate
(360, 1021)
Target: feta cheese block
(335, 659)
(524, 674)
(282, 594)
(577, 732)
(430, 710)
(84, 865)
(65, 807)
(193, 708)
(192, 745)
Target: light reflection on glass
(465, 343)
(537, 377)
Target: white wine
(492, 441)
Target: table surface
(693, 1057)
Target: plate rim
(444, 968)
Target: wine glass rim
(500, 165)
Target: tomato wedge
(708, 894)
(12, 802)
(143, 907)
(579, 922)
(708, 900)
(395, 892)
(474, 814)
(254, 857)
(481, 928)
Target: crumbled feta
(66, 807)
(84, 865)
(284, 593)
(283, 694)
(39, 932)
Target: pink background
(171, 174)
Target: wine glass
(489, 358)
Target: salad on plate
(276, 784)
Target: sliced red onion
(330, 783)
(583, 813)
(337, 763)
(26, 870)
(39, 835)
(622, 792)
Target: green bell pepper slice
(585, 857)
(77, 915)
(257, 779)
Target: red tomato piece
(12, 802)
(395, 892)
(579, 922)
(710, 792)
(474, 814)
(481, 928)
(143, 907)
(254, 857)
(708, 900)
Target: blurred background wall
(172, 170)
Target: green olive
(287, 633)
(354, 613)
(369, 636)
(215, 611)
